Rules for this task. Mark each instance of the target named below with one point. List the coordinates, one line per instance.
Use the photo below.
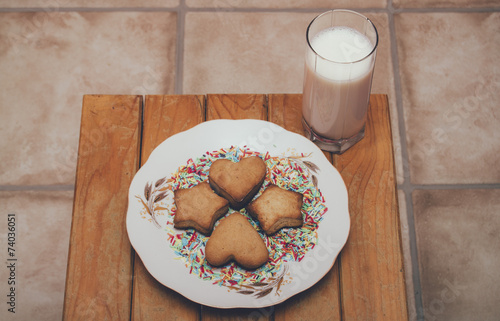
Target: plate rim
(223, 122)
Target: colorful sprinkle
(289, 244)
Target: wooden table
(106, 280)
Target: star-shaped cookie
(198, 207)
(277, 208)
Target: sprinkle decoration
(289, 244)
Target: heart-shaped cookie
(237, 182)
(235, 239)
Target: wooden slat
(322, 300)
(371, 265)
(164, 116)
(285, 110)
(238, 106)
(98, 282)
(167, 115)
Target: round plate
(299, 257)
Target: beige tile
(444, 3)
(458, 240)
(450, 87)
(42, 228)
(50, 60)
(279, 4)
(244, 52)
(57, 4)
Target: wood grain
(98, 282)
(323, 299)
(164, 116)
(371, 265)
(167, 115)
(285, 110)
(236, 106)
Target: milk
(337, 82)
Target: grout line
(12, 188)
(417, 286)
(277, 10)
(89, 9)
(406, 185)
(446, 10)
(179, 59)
(185, 8)
(454, 186)
(181, 6)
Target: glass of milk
(340, 56)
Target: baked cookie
(277, 208)
(237, 182)
(198, 207)
(235, 239)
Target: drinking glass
(339, 63)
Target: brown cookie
(237, 182)
(235, 239)
(198, 207)
(277, 208)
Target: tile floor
(437, 61)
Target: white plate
(183, 157)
